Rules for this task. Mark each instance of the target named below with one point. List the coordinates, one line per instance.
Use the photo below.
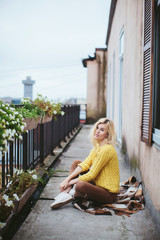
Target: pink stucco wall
(96, 85)
(129, 17)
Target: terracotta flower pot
(31, 123)
(18, 204)
(8, 222)
(46, 119)
(24, 198)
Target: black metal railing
(38, 143)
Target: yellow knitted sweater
(104, 168)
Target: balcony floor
(69, 223)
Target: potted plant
(50, 108)
(11, 125)
(19, 189)
(31, 113)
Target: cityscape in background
(28, 92)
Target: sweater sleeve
(85, 165)
(100, 161)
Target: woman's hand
(64, 185)
(73, 181)
(67, 182)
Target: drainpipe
(98, 87)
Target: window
(121, 51)
(151, 73)
(121, 47)
(109, 92)
(113, 87)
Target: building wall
(101, 57)
(92, 97)
(129, 17)
(96, 86)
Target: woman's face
(101, 132)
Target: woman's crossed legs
(91, 191)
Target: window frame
(109, 92)
(121, 66)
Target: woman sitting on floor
(97, 177)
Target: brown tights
(91, 191)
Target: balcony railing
(38, 143)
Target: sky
(47, 40)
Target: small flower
(15, 170)
(55, 112)
(9, 203)
(35, 177)
(62, 113)
(20, 137)
(22, 128)
(5, 142)
(16, 113)
(31, 171)
(16, 196)
(19, 172)
(9, 184)
(5, 197)
(4, 135)
(13, 131)
(1, 226)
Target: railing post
(78, 117)
(17, 153)
(59, 131)
(3, 171)
(25, 148)
(11, 159)
(65, 121)
(69, 120)
(52, 138)
(33, 148)
(41, 142)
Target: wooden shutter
(146, 128)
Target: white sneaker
(72, 192)
(61, 199)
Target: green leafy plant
(48, 106)
(11, 125)
(40, 107)
(29, 109)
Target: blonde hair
(111, 136)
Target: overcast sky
(47, 40)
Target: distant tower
(28, 87)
